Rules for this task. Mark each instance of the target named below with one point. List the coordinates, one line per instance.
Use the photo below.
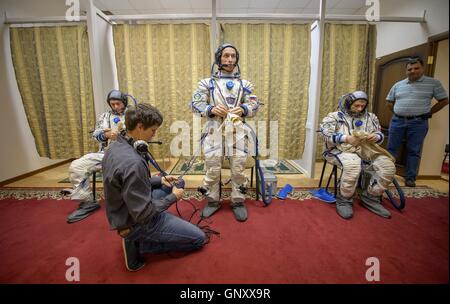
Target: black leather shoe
(410, 183)
(133, 259)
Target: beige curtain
(161, 64)
(53, 74)
(348, 65)
(275, 58)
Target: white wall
(396, 36)
(437, 137)
(27, 8)
(18, 154)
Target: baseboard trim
(15, 179)
(428, 177)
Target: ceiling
(147, 7)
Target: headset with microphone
(118, 95)
(141, 146)
(218, 57)
(346, 100)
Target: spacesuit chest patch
(230, 100)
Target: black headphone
(141, 146)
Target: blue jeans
(167, 232)
(414, 130)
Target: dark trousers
(414, 131)
(167, 232)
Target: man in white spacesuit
(107, 129)
(351, 136)
(225, 99)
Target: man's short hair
(143, 113)
(415, 59)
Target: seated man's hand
(111, 134)
(178, 192)
(372, 138)
(353, 140)
(220, 110)
(167, 180)
(237, 111)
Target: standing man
(410, 101)
(225, 99)
(106, 130)
(136, 202)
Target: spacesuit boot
(344, 206)
(373, 203)
(85, 209)
(240, 211)
(210, 209)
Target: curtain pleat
(52, 68)
(161, 64)
(275, 58)
(348, 65)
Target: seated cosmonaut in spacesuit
(351, 136)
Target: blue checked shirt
(414, 98)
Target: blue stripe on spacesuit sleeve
(101, 136)
(337, 138)
(208, 111)
(333, 138)
(245, 108)
(195, 108)
(381, 136)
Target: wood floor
(51, 178)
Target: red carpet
(288, 242)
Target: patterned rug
(297, 194)
(198, 168)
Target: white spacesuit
(226, 136)
(82, 168)
(335, 129)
